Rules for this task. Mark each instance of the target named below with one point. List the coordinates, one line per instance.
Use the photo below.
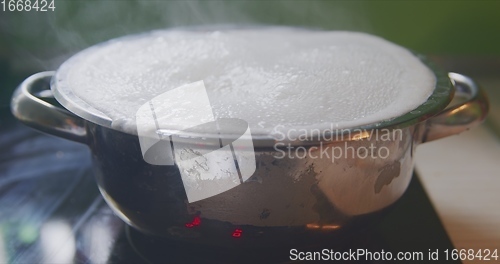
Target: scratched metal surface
(51, 212)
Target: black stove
(51, 211)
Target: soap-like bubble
(267, 76)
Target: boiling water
(274, 78)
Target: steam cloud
(42, 40)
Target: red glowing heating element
(237, 233)
(196, 222)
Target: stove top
(51, 212)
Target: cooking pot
(306, 195)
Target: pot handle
(461, 117)
(34, 112)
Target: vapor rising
(42, 40)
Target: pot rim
(440, 98)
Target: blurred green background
(461, 35)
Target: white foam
(267, 76)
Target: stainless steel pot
(312, 197)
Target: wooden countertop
(461, 175)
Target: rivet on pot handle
(460, 117)
(43, 116)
